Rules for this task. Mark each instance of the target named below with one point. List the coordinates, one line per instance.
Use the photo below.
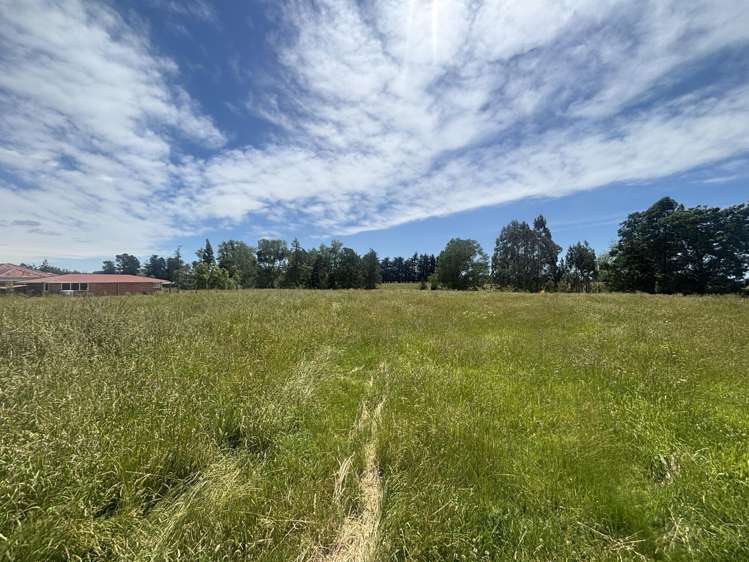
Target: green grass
(212, 426)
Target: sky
(145, 125)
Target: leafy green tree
(515, 258)
(639, 259)
(107, 266)
(46, 267)
(371, 268)
(239, 260)
(462, 265)
(155, 267)
(126, 264)
(669, 248)
(580, 267)
(332, 255)
(525, 258)
(211, 276)
(271, 259)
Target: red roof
(12, 271)
(99, 278)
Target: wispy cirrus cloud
(399, 111)
(383, 112)
(88, 118)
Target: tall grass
(214, 426)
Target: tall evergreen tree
(349, 272)
(205, 254)
(298, 268)
(547, 254)
(371, 267)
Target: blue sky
(145, 125)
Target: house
(15, 277)
(96, 284)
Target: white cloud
(386, 112)
(415, 109)
(87, 122)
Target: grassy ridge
(215, 425)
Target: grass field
(384, 425)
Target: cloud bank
(383, 113)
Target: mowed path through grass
(228, 425)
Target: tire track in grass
(357, 537)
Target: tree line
(271, 264)
(668, 248)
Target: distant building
(96, 284)
(15, 277)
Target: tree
(410, 269)
(127, 264)
(639, 259)
(46, 267)
(155, 267)
(580, 267)
(546, 255)
(298, 268)
(515, 260)
(211, 276)
(385, 270)
(107, 266)
(178, 272)
(462, 265)
(349, 271)
(238, 259)
(399, 270)
(205, 254)
(318, 270)
(371, 268)
(424, 267)
(332, 255)
(271, 258)
(525, 258)
(669, 248)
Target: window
(84, 286)
(65, 287)
(46, 287)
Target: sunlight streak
(409, 32)
(435, 29)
